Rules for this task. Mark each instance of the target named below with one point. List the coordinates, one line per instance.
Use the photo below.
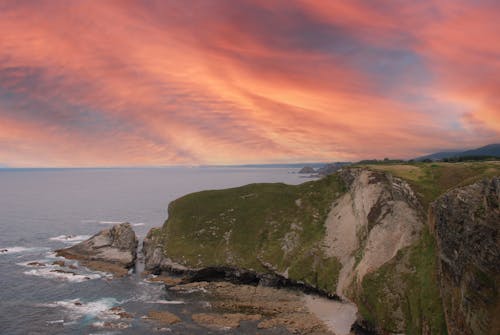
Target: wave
(77, 309)
(19, 250)
(135, 224)
(103, 313)
(52, 273)
(70, 238)
(55, 322)
(165, 302)
(110, 222)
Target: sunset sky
(127, 83)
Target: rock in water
(112, 250)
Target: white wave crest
(77, 309)
(135, 224)
(51, 273)
(70, 238)
(166, 302)
(19, 250)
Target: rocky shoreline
(270, 301)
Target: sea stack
(112, 250)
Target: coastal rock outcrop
(467, 227)
(112, 250)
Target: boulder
(112, 250)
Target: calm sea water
(39, 208)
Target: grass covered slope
(403, 295)
(262, 227)
(430, 180)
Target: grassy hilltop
(244, 227)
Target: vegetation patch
(403, 295)
(257, 227)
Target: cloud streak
(222, 82)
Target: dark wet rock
(36, 264)
(112, 250)
(4, 250)
(59, 263)
(467, 227)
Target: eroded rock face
(112, 250)
(368, 225)
(154, 259)
(467, 228)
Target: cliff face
(467, 227)
(361, 234)
(367, 226)
(265, 228)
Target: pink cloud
(121, 83)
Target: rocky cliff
(467, 227)
(112, 250)
(361, 234)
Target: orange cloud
(132, 83)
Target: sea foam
(51, 273)
(77, 309)
(70, 238)
(19, 250)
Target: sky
(137, 83)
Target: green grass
(248, 226)
(408, 283)
(317, 270)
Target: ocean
(45, 209)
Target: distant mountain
(277, 165)
(490, 150)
